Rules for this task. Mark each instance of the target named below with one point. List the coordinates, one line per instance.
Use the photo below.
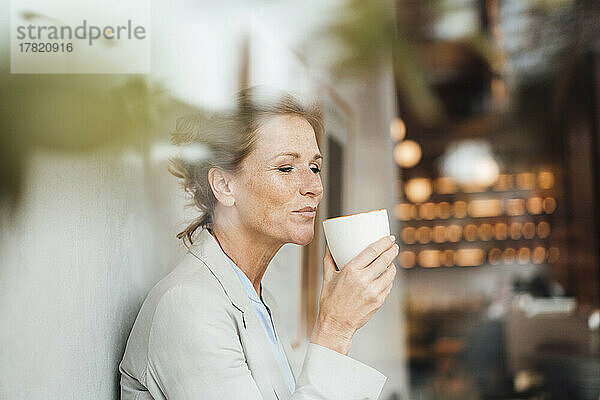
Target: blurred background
(475, 123)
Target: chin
(303, 236)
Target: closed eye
(314, 169)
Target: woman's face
(280, 176)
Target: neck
(249, 250)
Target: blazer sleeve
(195, 353)
(327, 374)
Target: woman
(209, 330)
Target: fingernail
(393, 238)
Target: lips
(306, 209)
(306, 212)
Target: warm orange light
(501, 231)
(539, 255)
(515, 207)
(448, 258)
(408, 259)
(534, 205)
(470, 232)
(515, 231)
(405, 211)
(427, 211)
(523, 255)
(418, 190)
(429, 258)
(485, 208)
(454, 233)
(495, 256)
(543, 230)
(549, 205)
(526, 180)
(460, 209)
(469, 257)
(505, 182)
(397, 129)
(439, 234)
(423, 235)
(485, 232)
(443, 210)
(528, 230)
(546, 180)
(508, 256)
(445, 185)
(407, 153)
(408, 235)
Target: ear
(221, 184)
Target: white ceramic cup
(349, 235)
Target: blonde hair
(227, 139)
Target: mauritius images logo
(80, 39)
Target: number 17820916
(34, 47)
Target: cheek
(271, 194)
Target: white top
(264, 314)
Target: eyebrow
(296, 155)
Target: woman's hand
(350, 297)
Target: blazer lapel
(258, 333)
(287, 348)
(208, 250)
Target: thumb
(329, 267)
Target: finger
(386, 279)
(328, 264)
(387, 290)
(368, 255)
(377, 267)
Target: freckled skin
(254, 218)
(266, 196)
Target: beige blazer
(198, 337)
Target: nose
(311, 184)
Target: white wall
(92, 235)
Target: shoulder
(192, 314)
(187, 311)
(190, 285)
(190, 293)
(189, 297)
